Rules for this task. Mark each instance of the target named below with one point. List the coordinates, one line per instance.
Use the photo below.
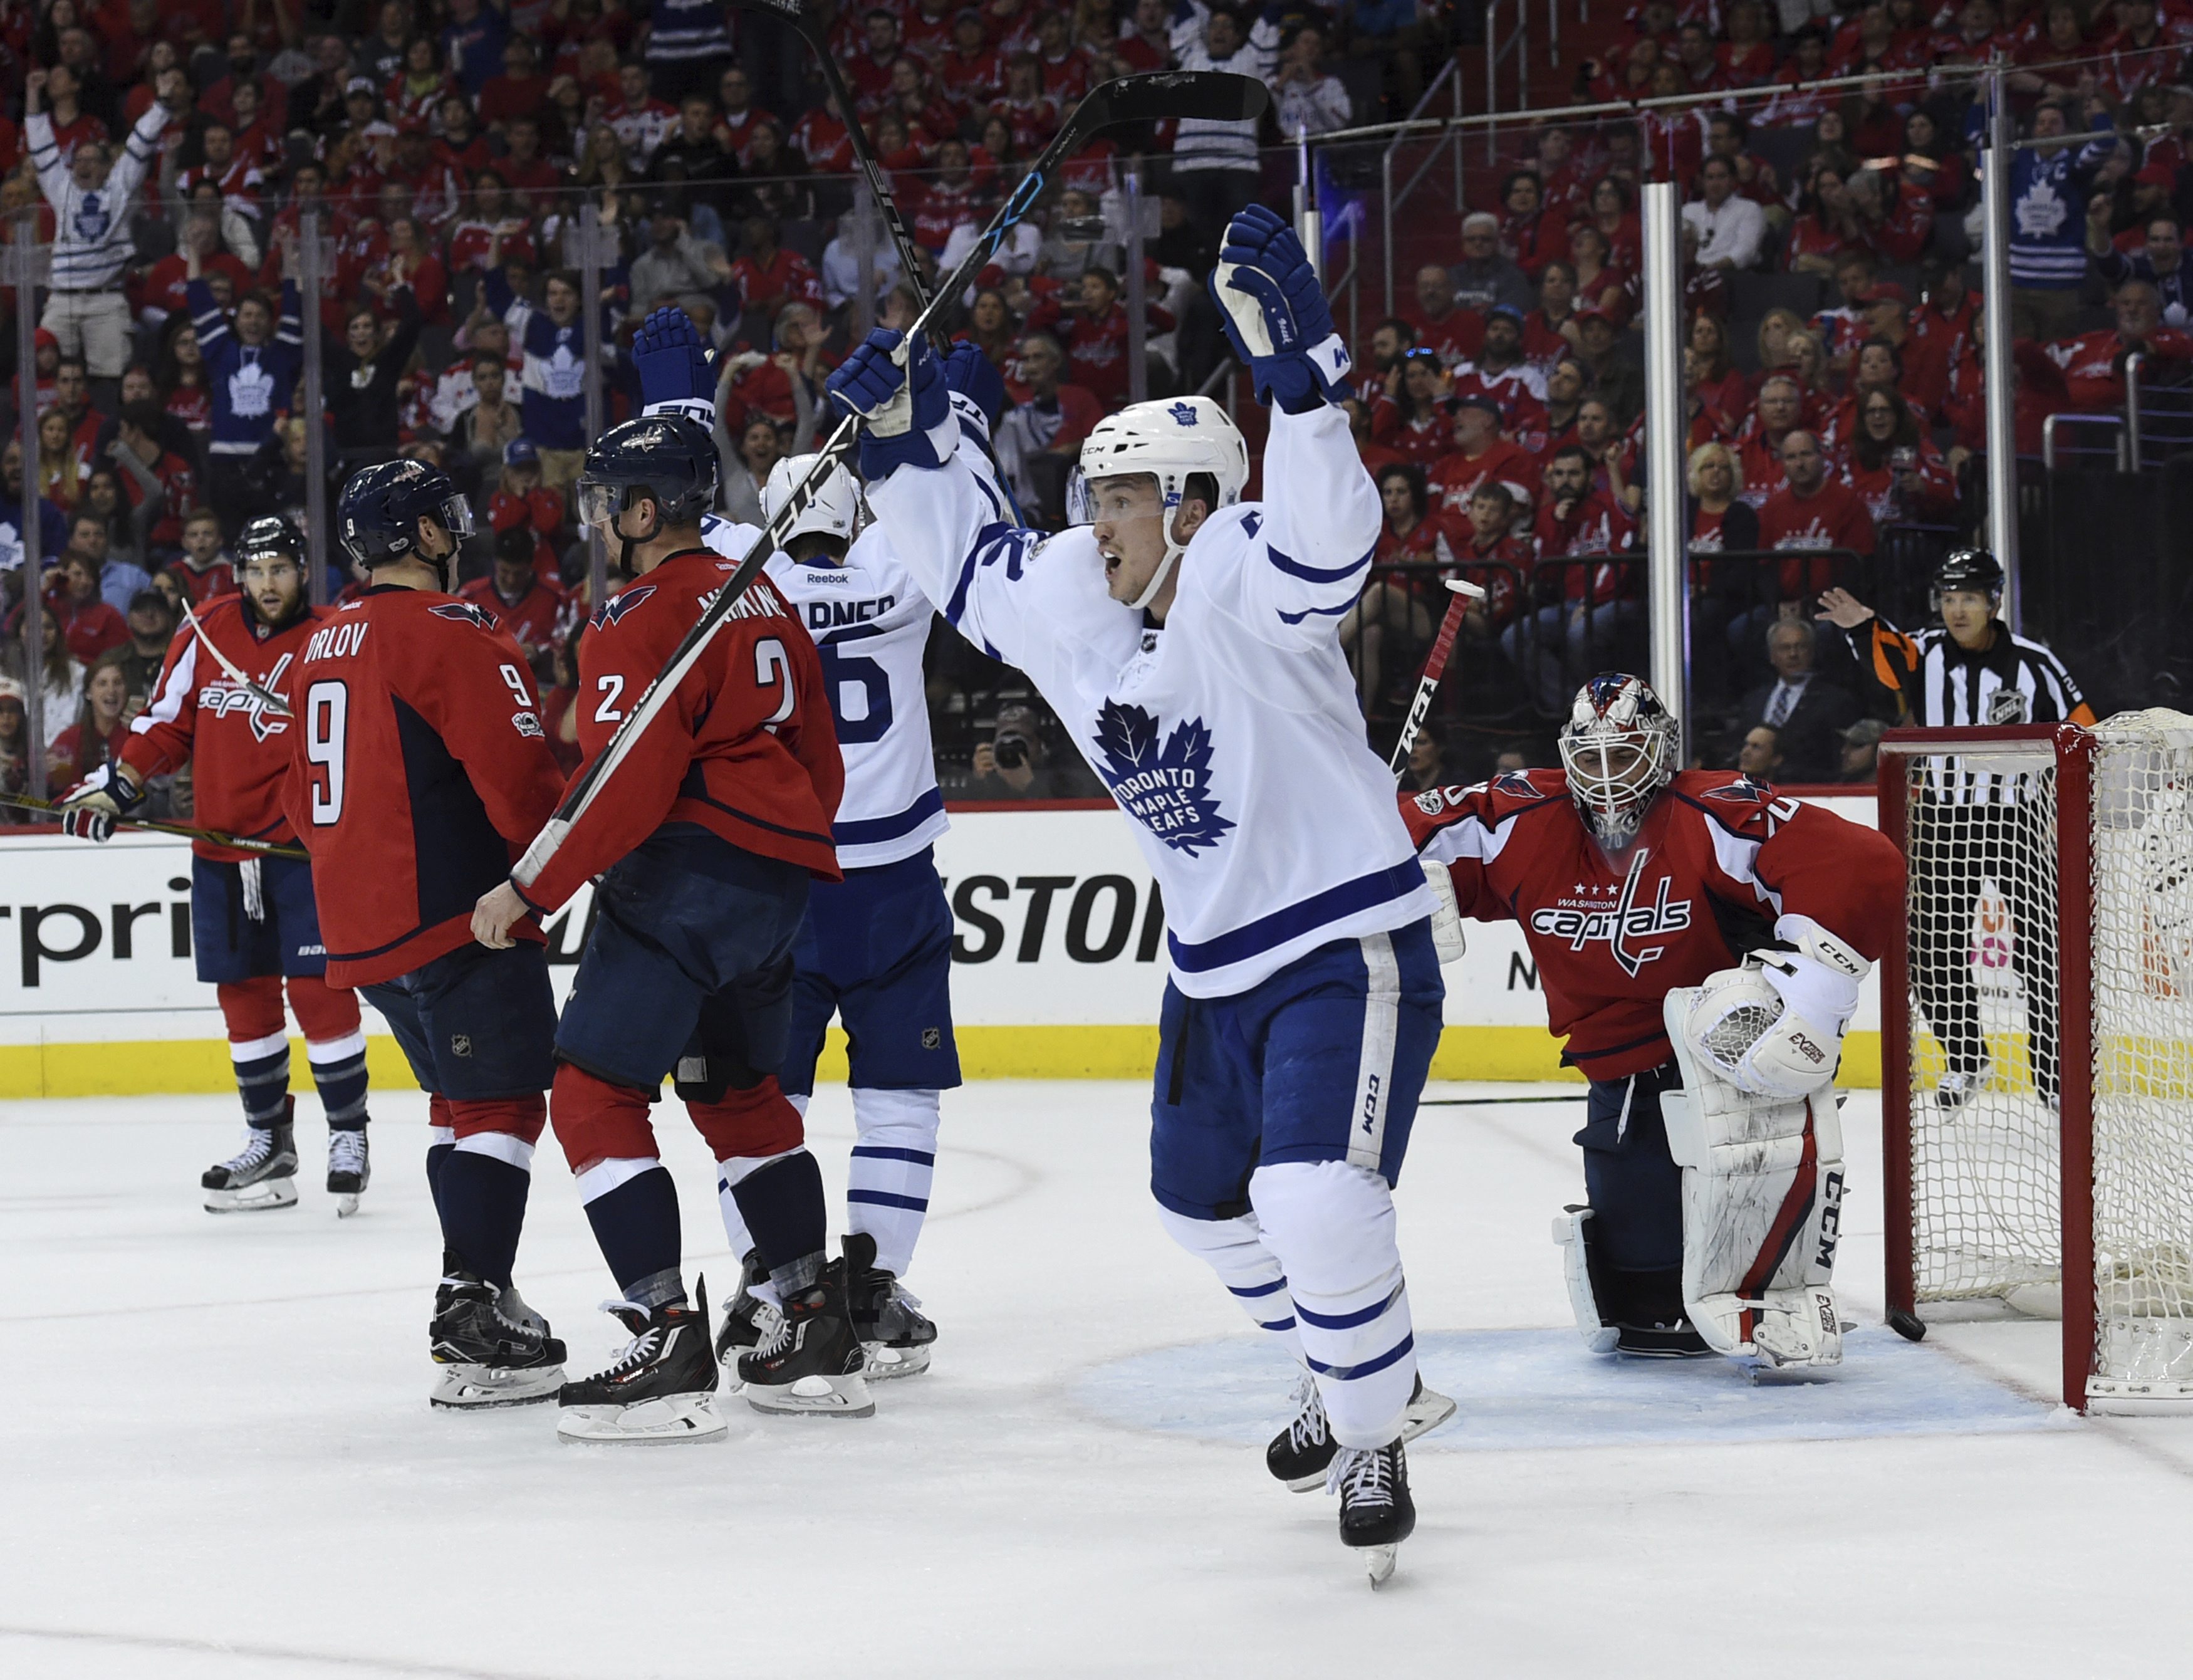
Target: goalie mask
(1172, 441)
(1620, 748)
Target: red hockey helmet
(1620, 748)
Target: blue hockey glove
(977, 388)
(908, 410)
(90, 809)
(1276, 315)
(677, 371)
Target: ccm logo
(1831, 1219)
(1370, 1103)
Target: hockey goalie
(1701, 942)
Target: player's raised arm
(1318, 521)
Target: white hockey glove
(1774, 1027)
(1447, 919)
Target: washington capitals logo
(1165, 788)
(463, 612)
(1184, 413)
(1626, 926)
(614, 609)
(224, 697)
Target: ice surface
(217, 1458)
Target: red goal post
(2037, 1039)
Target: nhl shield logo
(460, 1044)
(2006, 705)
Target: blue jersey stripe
(1346, 1320)
(1369, 1367)
(918, 1204)
(1276, 1284)
(875, 830)
(1294, 568)
(1267, 932)
(878, 1152)
(1287, 617)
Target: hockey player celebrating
(419, 765)
(1701, 942)
(722, 813)
(1189, 644)
(253, 922)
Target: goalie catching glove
(1756, 1132)
(92, 807)
(908, 408)
(1275, 314)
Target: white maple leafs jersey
(1231, 737)
(870, 623)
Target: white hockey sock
(1331, 1226)
(1235, 1250)
(887, 1185)
(728, 1175)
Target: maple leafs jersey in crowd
(870, 624)
(1231, 735)
(419, 770)
(1719, 858)
(237, 748)
(745, 749)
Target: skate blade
(257, 1198)
(482, 1388)
(814, 1397)
(674, 1417)
(346, 1203)
(1378, 1561)
(883, 1361)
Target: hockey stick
(266, 696)
(814, 31)
(1435, 668)
(1210, 95)
(212, 837)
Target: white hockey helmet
(1171, 440)
(1620, 748)
(835, 509)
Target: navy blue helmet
(665, 457)
(378, 518)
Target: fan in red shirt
(1032, 113)
(1415, 422)
(1481, 455)
(162, 291)
(1500, 370)
(1894, 467)
(2087, 373)
(1413, 540)
(1493, 556)
(1633, 881)
(1775, 413)
(418, 767)
(1451, 331)
(537, 613)
(705, 841)
(1811, 512)
(254, 921)
(202, 569)
(89, 626)
(148, 469)
(1580, 602)
(969, 73)
(1095, 334)
(768, 276)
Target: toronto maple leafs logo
(463, 612)
(616, 606)
(1166, 789)
(1184, 412)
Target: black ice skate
(813, 1363)
(349, 1169)
(895, 1336)
(492, 1349)
(262, 1174)
(662, 1386)
(1302, 1454)
(750, 1320)
(1376, 1511)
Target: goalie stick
(212, 837)
(1435, 668)
(1210, 95)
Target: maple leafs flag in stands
(1166, 789)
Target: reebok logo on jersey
(1164, 789)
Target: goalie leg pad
(1762, 1194)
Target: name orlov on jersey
(1623, 924)
(1165, 788)
(223, 698)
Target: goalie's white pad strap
(1598, 1335)
(1762, 1194)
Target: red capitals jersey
(419, 770)
(237, 750)
(1719, 858)
(746, 750)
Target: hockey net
(2038, 1082)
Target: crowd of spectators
(462, 157)
(1833, 348)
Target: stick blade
(1205, 95)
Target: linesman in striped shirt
(1973, 673)
(92, 194)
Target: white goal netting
(1989, 966)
